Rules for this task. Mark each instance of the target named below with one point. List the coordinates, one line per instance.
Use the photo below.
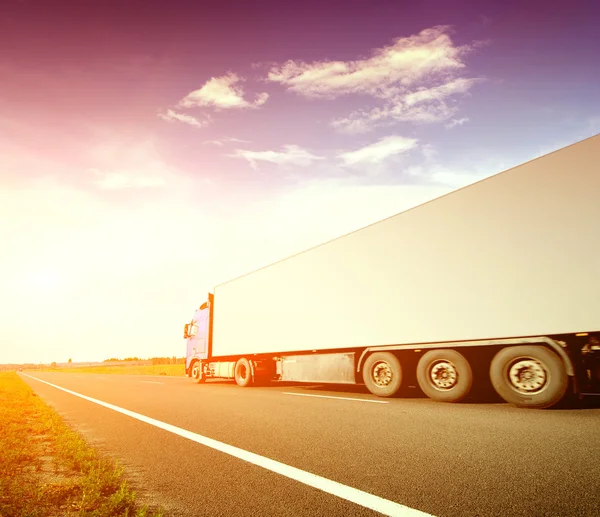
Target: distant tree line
(154, 360)
(168, 360)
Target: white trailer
(498, 280)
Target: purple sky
(145, 144)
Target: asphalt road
(476, 459)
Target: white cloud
(440, 92)
(457, 122)
(355, 123)
(379, 151)
(412, 78)
(424, 105)
(220, 142)
(222, 93)
(290, 155)
(389, 70)
(172, 116)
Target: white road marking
(354, 495)
(338, 398)
(152, 382)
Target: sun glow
(43, 282)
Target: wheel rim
(382, 374)
(242, 372)
(443, 375)
(195, 371)
(528, 375)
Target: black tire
(382, 374)
(243, 373)
(444, 375)
(196, 372)
(539, 381)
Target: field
(47, 469)
(172, 370)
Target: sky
(150, 151)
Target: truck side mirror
(185, 331)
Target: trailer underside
(534, 372)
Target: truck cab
(197, 336)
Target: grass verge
(172, 370)
(47, 469)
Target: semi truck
(493, 286)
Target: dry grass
(47, 469)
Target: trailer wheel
(444, 375)
(382, 374)
(243, 372)
(197, 373)
(529, 376)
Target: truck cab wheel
(243, 372)
(444, 375)
(529, 376)
(382, 374)
(197, 373)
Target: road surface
(406, 457)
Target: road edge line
(354, 495)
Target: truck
(493, 286)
